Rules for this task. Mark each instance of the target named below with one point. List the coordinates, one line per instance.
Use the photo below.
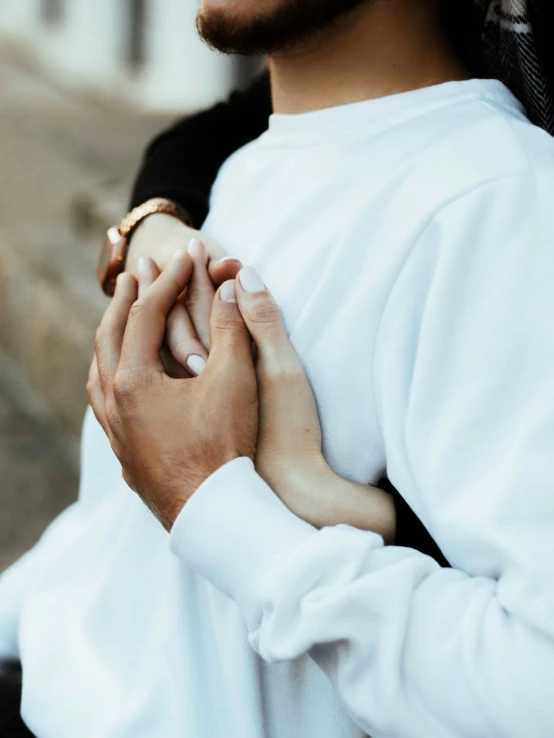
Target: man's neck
(381, 48)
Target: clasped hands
(171, 429)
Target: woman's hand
(288, 454)
(151, 249)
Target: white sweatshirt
(410, 244)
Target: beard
(285, 26)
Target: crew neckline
(328, 121)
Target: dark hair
(513, 46)
(463, 22)
(541, 16)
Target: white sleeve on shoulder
(465, 384)
(16, 581)
(13, 587)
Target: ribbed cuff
(234, 530)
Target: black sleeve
(11, 724)
(410, 531)
(182, 163)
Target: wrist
(365, 507)
(115, 247)
(304, 486)
(327, 499)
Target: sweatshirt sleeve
(13, 588)
(465, 375)
(18, 580)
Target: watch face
(111, 260)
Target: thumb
(229, 336)
(223, 269)
(264, 321)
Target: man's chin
(231, 29)
(267, 26)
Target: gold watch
(116, 244)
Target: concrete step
(66, 167)
(39, 470)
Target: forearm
(182, 163)
(366, 508)
(322, 498)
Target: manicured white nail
(197, 250)
(179, 254)
(250, 280)
(224, 259)
(227, 291)
(196, 364)
(141, 263)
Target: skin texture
(170, 434)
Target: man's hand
(171, 434)
(288, 455)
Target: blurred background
(84, 85)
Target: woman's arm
(182, 163)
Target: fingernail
(179, 254)
(226, 258)
(197, 250)
(227, 291)
(196, 364)
(140, 265)
(250, 280)
(125, 284)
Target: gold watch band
(155, 205)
